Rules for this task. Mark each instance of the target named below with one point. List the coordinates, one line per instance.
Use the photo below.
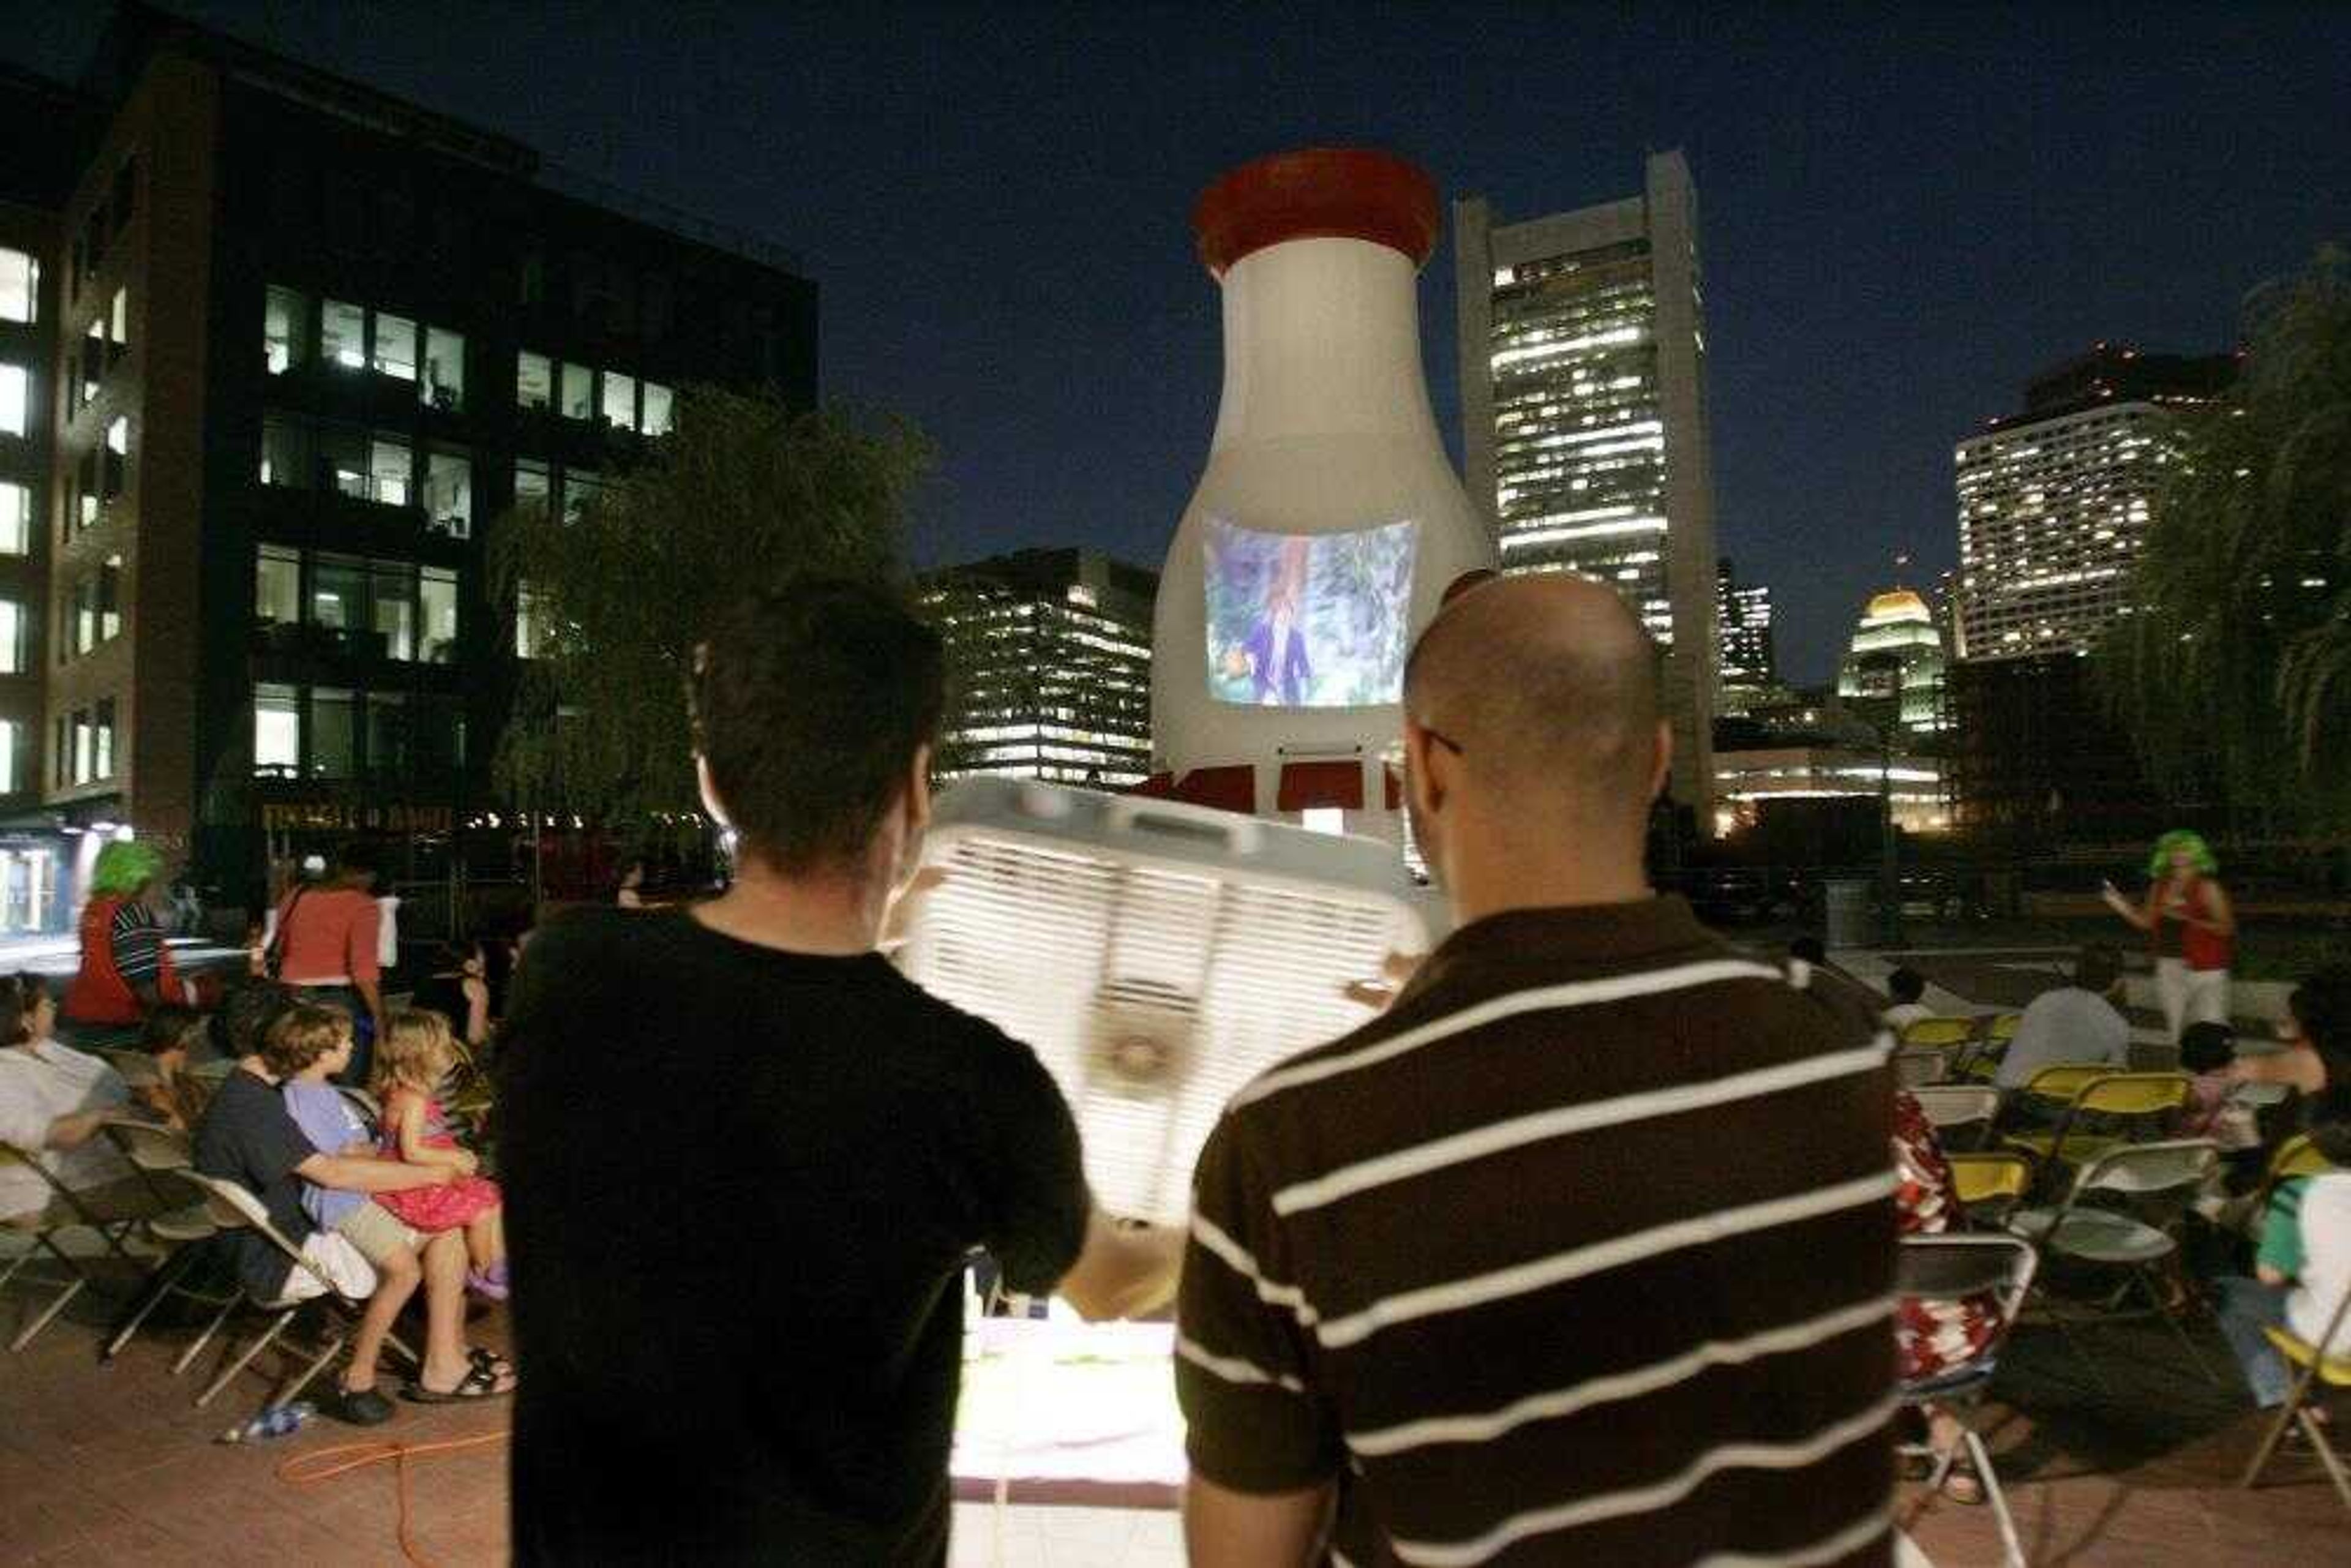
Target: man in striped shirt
(1583, 1253)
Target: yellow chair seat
(1939, 1033)
(1980, 1178)
(2081, 1148)
(2334, 1369)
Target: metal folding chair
(2103, 1112)
(2332, 1368)
(1947, 1268)
(1918, 1067)
(1979, 1060)
(2169, 1175)
(162, 1155)
(1989, 1187)
(235, 1209)
(64, 1212)
(1961, 1114)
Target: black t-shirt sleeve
(1028, 1172)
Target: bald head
(1550, 686)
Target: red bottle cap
(1317, 192)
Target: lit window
(578, 392)
(284, 334)
(443, 386)
(393, 594)
(388, 471)
(16, 399)
(658, 402)
(102, 762)
(12, 753)
(117, 435)
(118, 317)
(342, 334)
(284, 453)
(580, 488)
(109, 599)
(437, 607)
(15, 518)
(20, 285)
(534, 380)
(395, 347)
(278, 586)
(277, 732)
(531, 628)
(449, 494)
(16, 628)
(619, 401)
(530, 486)
(331, 725)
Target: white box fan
(1156, 956)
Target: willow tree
(2234, 673)
(614, 593)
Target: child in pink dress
(415, 1055)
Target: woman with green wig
(2189, 927)
(126, 968)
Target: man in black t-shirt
(746, 1160)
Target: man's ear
(918, 790)
(1661, 767)
(710, 800)
(1419, 778)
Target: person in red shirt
(2190, 927)
(326, 948)
(126, 968)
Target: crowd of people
(1582, 1246)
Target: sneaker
(484, 1286)
(359, 1407)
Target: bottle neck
(1322, 338)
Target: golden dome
(1900, 604)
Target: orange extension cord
(309, 1469)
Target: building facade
(1751, 780)
(311, 341)
(1049, 654)
(1893, 670)
(2053, 502)
(1582, 376)
(1749, 670)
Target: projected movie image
(1308, 619)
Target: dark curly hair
(810, 703)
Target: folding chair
(135, 1068)
(2297, 1156)
(2109, 1239)
(363, 1101)
(1947, 1268)
(64, 1212)
(2332, 1368)
(1989, 1187)
(2126, 1102)
(235, 1209)
(162, 1155)
(1958, 1109)
(1918, 1067)
(1979, 1060)
(1940, 1034)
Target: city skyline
(2018, 187)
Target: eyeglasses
(1443, 740)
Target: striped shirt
(1582, 1252)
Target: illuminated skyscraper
(1895, 660)
(1748, 669)
(1049, 656)
(2053, 502)
(1583, 417)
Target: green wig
(123, 868)
(2159, 863)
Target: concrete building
(1584, 416)
(1893, 670)
(1748, 673)
(309, 340)
(2053, 502)
(1048, 654)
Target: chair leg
(24, 1335)
(159, 1288)
(2269, 1441)
(2179, 1330)
(196, 1348)
(1990, 1477)
(2081, 1350)
(229, 1373)
(291, 1390)
(2313, 1430)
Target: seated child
(303, 1047)
(411, 1061)
(1906, 990)
(2207, 1050)
(172, 1035)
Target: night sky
(1901, 216)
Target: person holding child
(412, 1059)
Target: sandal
(482, 1371)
